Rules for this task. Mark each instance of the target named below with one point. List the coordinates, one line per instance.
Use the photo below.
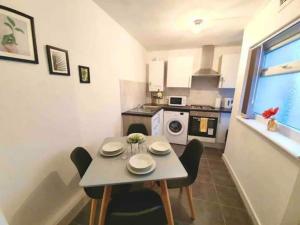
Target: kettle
(227, 103)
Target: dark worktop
(142, 112)
(149, 112)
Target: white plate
(141, 162)
(112, 154)
(160, 146)
(152, 168)
(158, 152)
(112, 147)
(142, 136)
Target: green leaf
(7, 24)
(12, 22)
(8, 39)
(20, 30)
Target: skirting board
(242, 192)
(69, 211)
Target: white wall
(43, 117)
(266, 174)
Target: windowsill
(287, 144)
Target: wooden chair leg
(190, 200)
(180, 190)
(93, 212)
(104, 204)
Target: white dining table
(108, 171)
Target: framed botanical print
(84, 74)
(17, 36)
(58, 61)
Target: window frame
(254, 70)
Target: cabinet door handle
(222, 81)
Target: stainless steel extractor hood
(207, 62)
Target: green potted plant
(9, 41)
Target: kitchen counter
(140, 111)
(153, 109)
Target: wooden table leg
(104, 204)
(166, 201)
(93, 212)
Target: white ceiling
(168, 24)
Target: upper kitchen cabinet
(229, 64)
(180, 70)
(156, 75)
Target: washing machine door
(175, 127)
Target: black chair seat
(136, 208)
(97, 192)
(182, 182)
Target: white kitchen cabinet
(180, 71)
(223, 125)
(228, 70)
(154, 124)
(156, 75)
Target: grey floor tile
(204, 175)
(213, 154)
(216, 165)
(222, 178)
(204, 191)
(203, 163)
(229, 197)
(207, 213)
(235, 216)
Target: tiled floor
(216, 198)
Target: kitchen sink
(153, 107)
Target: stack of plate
(141, 164)
(160, 148)
(112, 149)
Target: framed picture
(17, 36)
(84, 74)
(58, 61)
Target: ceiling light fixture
(197, 25)
(197, 22)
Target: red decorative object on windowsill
(269, 114)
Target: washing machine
(176, 126)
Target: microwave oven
(177, 100)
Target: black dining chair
(137, 128)
(190, 159)
(82, 159)
(135, 208)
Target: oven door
(203, 126)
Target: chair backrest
(81, 159)
(137, 128)
(190, 158)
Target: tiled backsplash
(204, 91)
(132, 94)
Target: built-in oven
(203, 126)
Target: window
(274, 78)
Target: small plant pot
(11, 48)
(272, 125)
